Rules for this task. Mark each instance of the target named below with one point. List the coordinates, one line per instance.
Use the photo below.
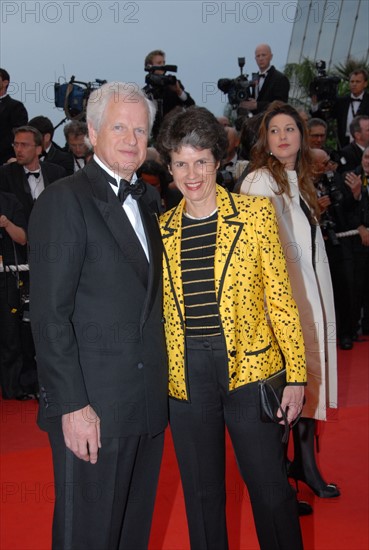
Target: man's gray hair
(116, 91)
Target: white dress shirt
(130, 207)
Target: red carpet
(336, 524)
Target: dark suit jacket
(276, 86)
(12, 114)
(340, 112)
(12, 209)
(107, 348)
(62, 158)
(13, 180)
(352, 155)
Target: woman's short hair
(128, 91)
(196, 127)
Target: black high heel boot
(304, 467)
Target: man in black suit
(28, 177)
(167, 97)
(96, 312)
(351, 155)
(13, 237)
(51, 152)
(12, 114)
(350, 106)
(76, 136)
(270, 84)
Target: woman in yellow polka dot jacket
(222, 262)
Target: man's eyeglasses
(23, 145)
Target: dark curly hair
(197, 127)
(261, 157)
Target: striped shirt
(197, 264)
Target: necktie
(36, 174)
(125, 188)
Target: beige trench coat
(311, 290)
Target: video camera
(72, 96)
(157, 82)
(237, 89)
(328, 187)
(324, 88)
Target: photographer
(166, 90)
(358, 217)
(333, 197)
(12, 251)
(350, 106)
(326, 104)
(350, 156)
(269, 84)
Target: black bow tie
(355, 99)
(262, 75)
(36, 174)
(136, 189)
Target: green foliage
(302, 74)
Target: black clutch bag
(270, 392)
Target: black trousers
(11, 359)
(108, 505)
(198, 429)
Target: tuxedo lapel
(44, 175)
(21, 185)
(153, 238)
(267, 83)
(4, 103)
(129, 248)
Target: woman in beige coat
(286, 180)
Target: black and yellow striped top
(197, 264)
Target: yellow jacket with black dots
(249, 267)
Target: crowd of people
(259, 261)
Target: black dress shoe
(304, 508)
(346, 343)
(27, 396)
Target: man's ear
(92, 134)
(169, 170)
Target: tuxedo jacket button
(140, 365)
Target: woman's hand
(292, 402)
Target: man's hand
(324, 202)
(292, 402)
(364, 235)
(249, 104)
(353, 181)
(81, 430)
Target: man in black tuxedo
(167, 97)
(28, 177)
(76, 134)
(350, 156)
(270, 84)
(350, 106)
(12, 114)
(50, 151)
(96, 313)
(13, 237)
